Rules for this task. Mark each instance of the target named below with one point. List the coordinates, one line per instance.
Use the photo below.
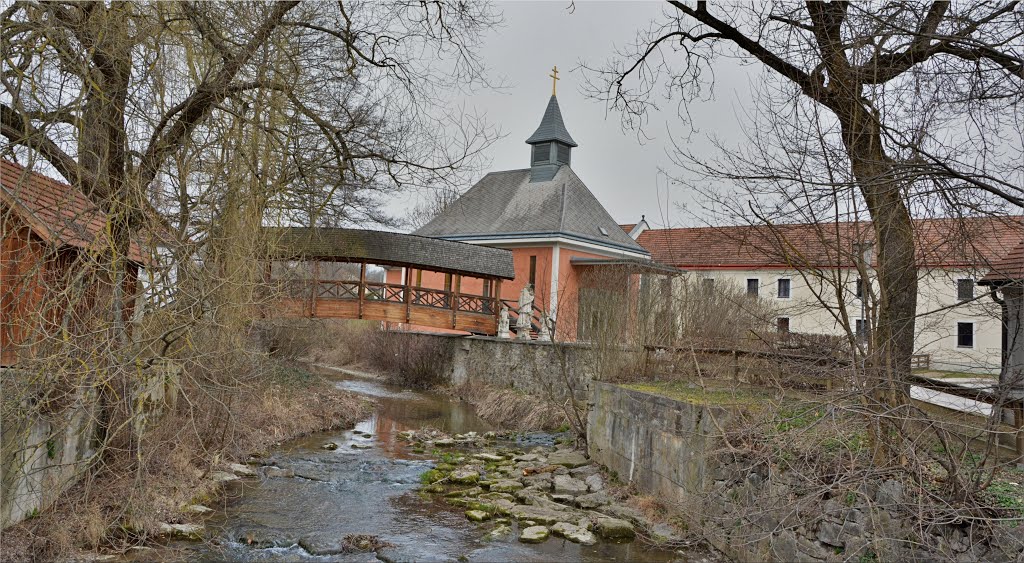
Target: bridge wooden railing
(392, 302)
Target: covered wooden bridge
(307, 268)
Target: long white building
(813, 274)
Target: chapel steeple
(550, 145)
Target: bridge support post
(362, 287)
(407, 294)
(456, 283)
(316, 289)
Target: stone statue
(503, 323)
(545, 331)
(525, 313)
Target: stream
(368, 486)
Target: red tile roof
(969, 242)
(1008, 268)
(628, 227)
(57, 212)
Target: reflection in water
(371, 491)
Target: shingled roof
(969, 242)
(1008, 269)
(507, 205)
(389, 249)
(57, 212)
(551, 128)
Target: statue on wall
(503, 323)
(544, 335)
(525, 313)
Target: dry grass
(124, 498)
(513, 410)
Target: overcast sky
(620, 170)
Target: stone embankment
(538, 492)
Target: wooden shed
(50, 282)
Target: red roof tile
(940, 242)
(1008, 268)
(57, 212)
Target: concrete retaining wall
(42, 454)
(668, 449)
(658, 443)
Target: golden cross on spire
(554, 79)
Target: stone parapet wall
(528, 366)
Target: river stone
(489, 457)
(239, 469)
(537, 514)
(274, 471)
(477, 515)
(464, 476)
(499, 533)
(614, 529)
(500, 506)
(574, 533)
(567, 458)
(471, 492)
(528, 457)
(593, 500)
(316, 545)
(563, 499)
(565, 485)
(529, 495)
(534, 534)
(329, 446)
(223, 476)
(623, 512)
(506, 486)
(185, 531)
(595, 483)
(358, 446)
(196, 509)
(444, 443)
(496, 496)
(585, 471)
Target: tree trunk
(892, 342)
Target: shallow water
(372, 491)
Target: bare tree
(907, 102)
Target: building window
(965, 335)
(752, 286)
(541, 153)
(533, 271)
(784, 288)
(964, 289)
(860, 288)
(862, 329)
(487, 288)
(562, 153)
(783, 324)
(708, 284)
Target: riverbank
(124, 502)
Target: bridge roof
(389, 249)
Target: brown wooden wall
(34, 292)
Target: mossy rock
(477, 515)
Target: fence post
(1018, 421)
(735, 365)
